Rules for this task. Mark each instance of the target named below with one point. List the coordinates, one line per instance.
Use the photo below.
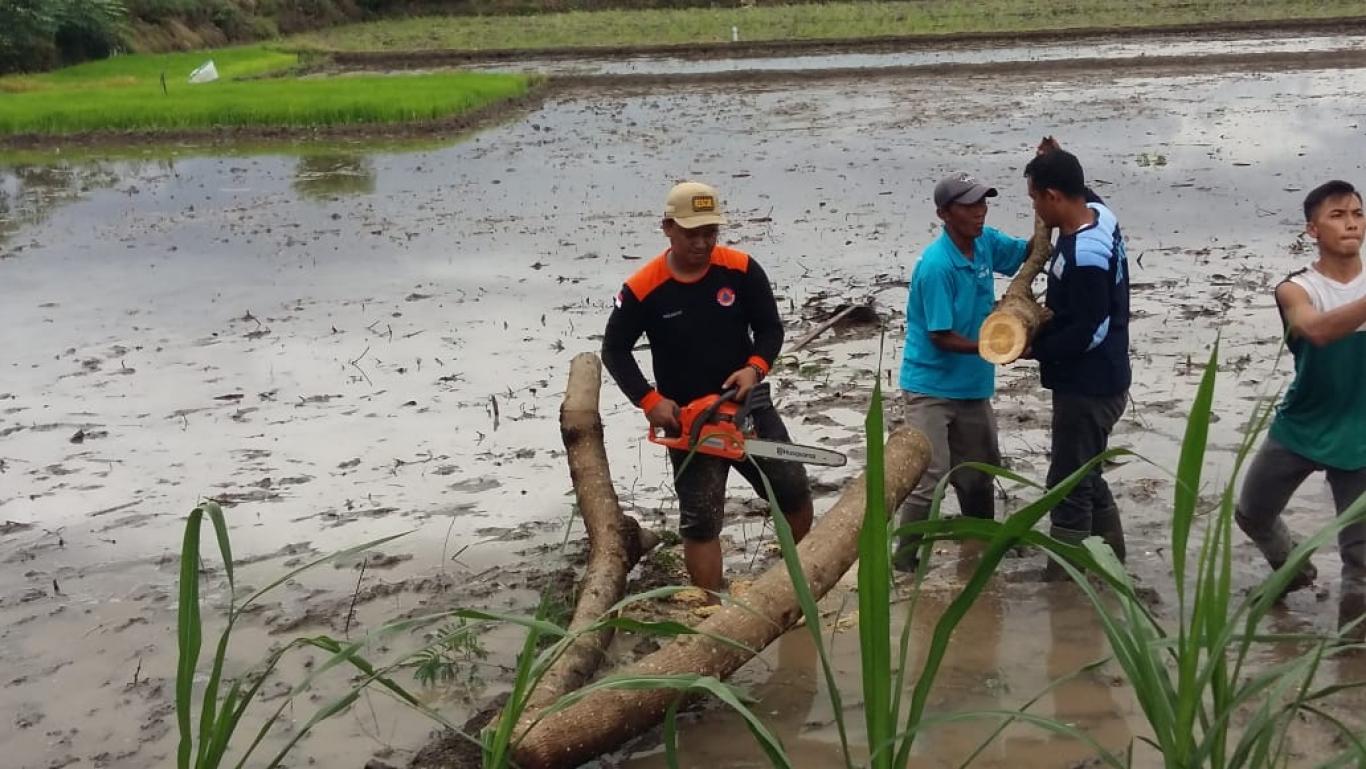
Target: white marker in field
(204, 73)
(735, 34)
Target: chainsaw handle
(708, 414)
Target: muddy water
(345, 345)
(1106, 47)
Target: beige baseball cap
(693, 204)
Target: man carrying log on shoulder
(1321, 423)
(713, 324)
(947, 386)
(1083, 351)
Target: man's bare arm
(952, 341)
(1318, 328)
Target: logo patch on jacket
(725, 296)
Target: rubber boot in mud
(1276, 543)
(906, 556)
(1352, 611)
(1052, 572)
(1106, 524)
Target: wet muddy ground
(985, 52)
(345, 344)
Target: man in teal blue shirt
(947, 385)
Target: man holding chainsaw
(713, 327)
(946, 384)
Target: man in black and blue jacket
(1083, 352)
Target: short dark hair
(1334, 189)
(1057, 170)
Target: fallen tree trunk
(1011, 326)
(615, 542)
(605, 719)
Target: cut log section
(1011, 326)
(615, 542)
(605, 719)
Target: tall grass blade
(188, 637)
(498, 746)
(1192, 632)
(874, 593)
(671, 735)
(1010, 532)
(1133, 641)
(810, 612)
(216, 726)
(685, 683)
(662, 628)
(348, 654)
(208, 716)
(1351, 736)
(1006, 722)
(959, 529)
(1049, 724)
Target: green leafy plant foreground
(1206, 705)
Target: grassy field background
(798, 22)
(258, 89)
(146, 69)
(125, 94)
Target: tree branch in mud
(829, 323)
(605, 719)
(615, 542)
(1010, 328)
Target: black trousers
(1081, 430)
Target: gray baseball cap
(960, 188)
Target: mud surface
(1038, 55)
(940, 44)
(345, 346)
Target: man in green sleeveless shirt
(1321, 424)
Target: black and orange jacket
(700, 332)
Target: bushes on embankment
(37, 35)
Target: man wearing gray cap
(947, 385)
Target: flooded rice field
(1100, 48)
(342, 343)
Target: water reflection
(962, 54)
(327, 176)
(784, 701)
(29, 194)
(788, 696)
(1014, 641)
(1085, 701)
(970, 678)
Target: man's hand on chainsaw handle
(664, 416)
(743, 380)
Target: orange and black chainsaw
(720, 426)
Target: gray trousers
(1272, 478)
(959, 431)
(1081, 430)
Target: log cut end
(1002, 338)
